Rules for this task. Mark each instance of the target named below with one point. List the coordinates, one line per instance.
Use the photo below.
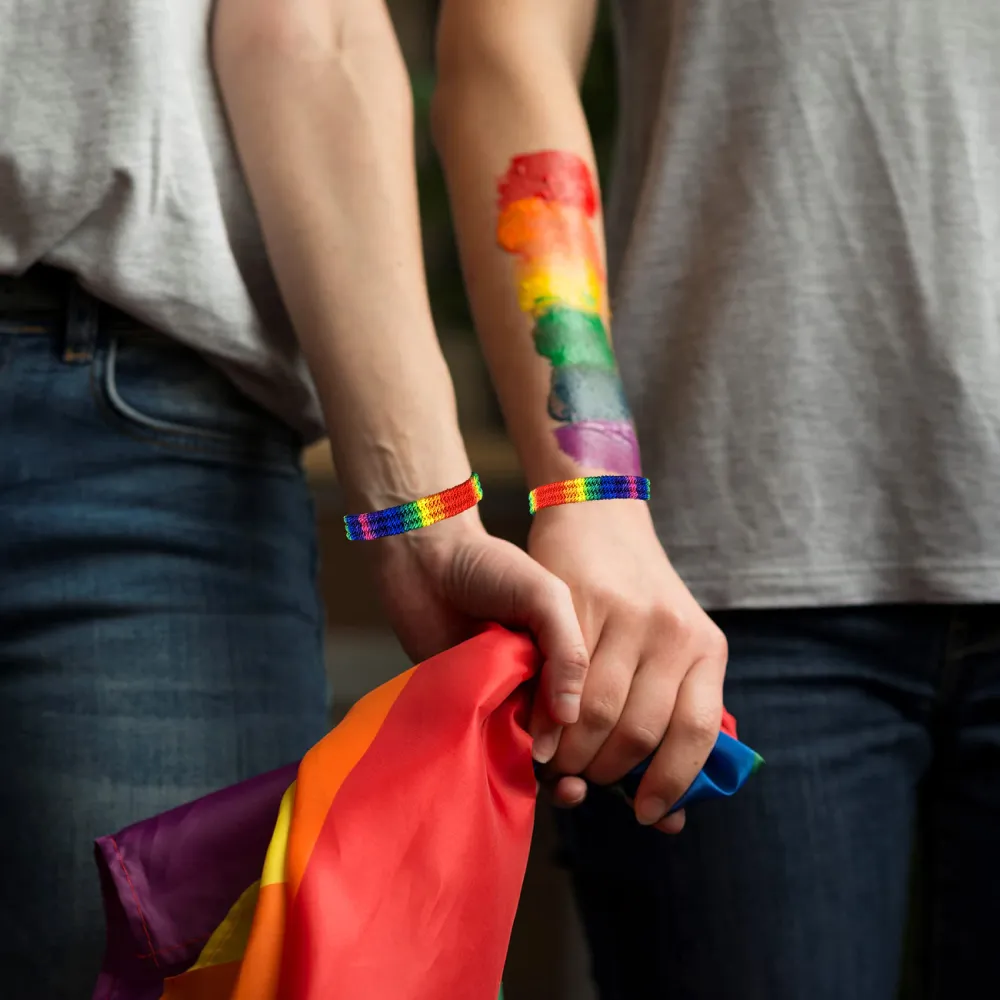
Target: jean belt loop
(80, 335)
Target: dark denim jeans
(878, 725)
(160, 630)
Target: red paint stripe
(551, 176)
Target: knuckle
(599, 713)
(673, 623)
(639, 739)
(573, 668)
(556, 592)
(701, 726)
(717, 645)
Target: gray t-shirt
(804, 236)
(804, 242)
(116, 164)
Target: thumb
(500, 582)
(553, 621)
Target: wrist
(597, 515)
(431, 545)
(555, 467)
(379, 476)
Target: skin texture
(319, 104)
(508, 76)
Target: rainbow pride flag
(386, 865)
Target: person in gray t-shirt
(803, 262)
(208, 235)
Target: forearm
(320, 108)
(534, 258)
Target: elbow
(259, 33)
(254, 37)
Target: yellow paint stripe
(571, 283)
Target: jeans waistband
(48, 300)
(40, 290)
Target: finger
(545, 734)
(643, 722)
(690, 737)
(550, 615)
(557, 630)
(569, 792)
(604, 696)
(523, 594)
(673, 823)
(500, 582)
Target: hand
(439, 583)
(657, 661)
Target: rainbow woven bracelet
(588, 488)
(416, 514)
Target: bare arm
(512, 133)
(508, 91)
(319, 102)
(321, 113)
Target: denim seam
(140, 431)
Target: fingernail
(544, 747)
(650, 811)
(566, 708)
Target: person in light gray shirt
(803, 261)
(209, 250)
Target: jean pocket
(163, 391)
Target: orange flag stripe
(261, 967)
(211, 982)
(326, 766)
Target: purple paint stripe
(601, 444)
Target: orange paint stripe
(537, 229)
(324, 769)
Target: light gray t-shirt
(804, 236)
(116, 164)
(804, 242)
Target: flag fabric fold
(387, 864)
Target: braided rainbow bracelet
(588, 488)
(416, 514)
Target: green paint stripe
(572, 337)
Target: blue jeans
(881, 729)
(160, 629)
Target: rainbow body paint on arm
(547, 204)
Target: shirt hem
(845, 586)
